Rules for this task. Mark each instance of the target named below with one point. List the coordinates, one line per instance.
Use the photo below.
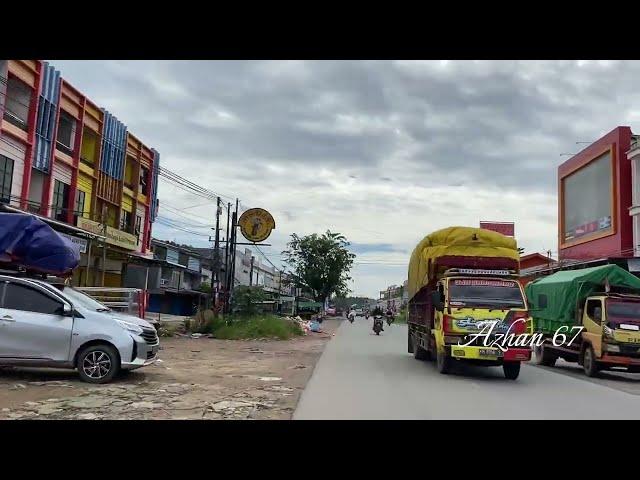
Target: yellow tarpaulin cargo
(456, 241)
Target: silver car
(45, 326)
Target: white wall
(36, 186)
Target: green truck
(590, 316)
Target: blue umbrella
(27, 241)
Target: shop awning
(309, 305)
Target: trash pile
(307, 326)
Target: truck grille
(150, 335)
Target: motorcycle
(377, 324)
(351, 318)
(389, 319)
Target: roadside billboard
(587, 200)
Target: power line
(178, 212)
(168, 223)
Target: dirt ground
(194, 378)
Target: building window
(88, 151)
(138, 224)
(66, 133)
(18, 100)
(128, 173)
(125, 221)
(6, 176)
(60, 196)
(144, 188)
(79, 206)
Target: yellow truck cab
(465, 295)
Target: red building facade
(594, 197)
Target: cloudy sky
(381, 151)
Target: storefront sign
(114, 236)
(505, 228)
(256, 224)
(80, 242)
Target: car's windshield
(84, 300)
(471, 292)
(623, 312)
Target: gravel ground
(199, 378)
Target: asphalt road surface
(362, 376)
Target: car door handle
(8, 318)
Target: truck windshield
(480, 292)
(623, 312)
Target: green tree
(321, 263)
(247, 300)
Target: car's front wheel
(98, 363)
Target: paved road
(364, 376)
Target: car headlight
(613, 348)
(131, 327)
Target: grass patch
(258, 326)
(402, 316)
(244, 327)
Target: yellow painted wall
(85, 183)
(85, 169)
(127, 203)
(112, 280)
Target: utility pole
(226, 261)
(279, 291)
(232, 272)
(251, 271)
(216, 256)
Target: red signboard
(505, 228)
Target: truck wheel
(443, 363)
(419, 353)
(511, 370)
(589, 362)
(544, 356)
(98, 363)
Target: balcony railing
(87, 162)
(64, 148)
(13, 119)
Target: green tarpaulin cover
(553, 299)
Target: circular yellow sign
(256, 224)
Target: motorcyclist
(377, 312)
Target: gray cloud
(369, 146)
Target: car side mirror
(67, 309)
(436, 299)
